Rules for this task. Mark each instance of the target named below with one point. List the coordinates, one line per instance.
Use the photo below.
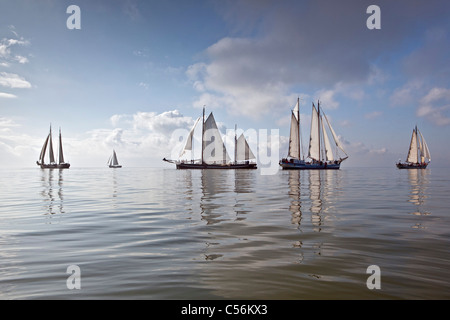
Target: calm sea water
(148, 233)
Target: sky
(137, 72)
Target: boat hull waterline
(412, 165)
(193, 165)
(54, 166)
(303, 165)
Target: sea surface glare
(162, 233)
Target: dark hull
(115, 166)
(412, 165)
(301, 165)
(215, 166)
(55, 166)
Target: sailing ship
(213, 153)
(112, 161)
(320, 152)
(61, 164)
(418, 154)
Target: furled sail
(412, 153)
(214, 150)
(314, 140)
(189, 139)
(243, 151)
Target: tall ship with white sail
(52, 164)
(213, 152)
(418, 154)
(113, 162)
(320, 152)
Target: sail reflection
(294, 193)
(418, 180)
(53, 195)
(312, 193)
(213, 184)
(244, 181)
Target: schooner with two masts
(214, 154)
(61, 164)
(418, 154)
(320, 152)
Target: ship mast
(318, 128)
(299, 135)
(235, 144)
(203, 132)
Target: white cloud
(406, 94)
(7, 95)
(5, 50)
(435, 106)
(326, 98)
(255, 75)
(373, 115)
(12, 80)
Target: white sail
(412, 153)
(296, 110)
(294, 150)
(189, 139)
(426, 151)
(328, 150)
(43, 150)
(51, 154)
(61, 155)
(314, 140)
(214, 150)
(243, 151)
(336, 139)
(114, 161)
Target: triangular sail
(412, 153)
(61, 155)
(214, 150)
(294, 150)
(328, 150)
(51, 154)
(426, 151)
(43, 150)
(296, 110)
(336, 139)
(243, 151)
(114, 159)
(314, 140)
(189, 139)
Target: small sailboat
(213, 153)
(61, 164)
(320, 152)
(112, 161)
(418, 154)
